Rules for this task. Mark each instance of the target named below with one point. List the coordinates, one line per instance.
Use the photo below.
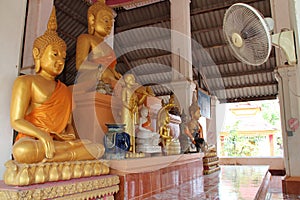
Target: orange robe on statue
(53, 114)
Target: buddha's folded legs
(27, 150)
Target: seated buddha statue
(145, 121)
(95, 59)
(147, 140)
(169, 143)
(41, 108)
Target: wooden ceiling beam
(244, 99)
(125, 60)
(166, 53)
(271, 83)
(149, 22)
(164, 70)
(151, 57)
(67, 35)
(204, 30)
(197, 11)
(69, 12)
(242, 73)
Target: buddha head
(100, 19)
(144, 112)
(49, 47)
(129, 80)
(194, 110)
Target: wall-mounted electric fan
(248, 34)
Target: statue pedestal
(92, 111)
(141, 178)
(97, 187)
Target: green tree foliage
(236, 145)
(270, 113)
(239, 145)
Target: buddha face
(103, 23)
(197, 114)
(129, 80)
(144, 112)
(53, 59)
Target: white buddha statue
(147, 140)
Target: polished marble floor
(230, 183)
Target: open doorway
(251, 129)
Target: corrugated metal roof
(145, 51)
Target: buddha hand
(48, 144)
(64, 136)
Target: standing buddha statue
(193, 129)
(130, 106)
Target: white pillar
(289, 93)
(286, 78)
(294, 12)
(212, 135)
(12, 20)
(183, 91)
(181, 52)
(181, 38)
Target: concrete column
(212, 135)
(183, 91)
(182, 76)
(181, 38)
(294, 14)
(289, 106)
(286, 77)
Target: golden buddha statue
(92, 52)
(132, 98)
(170, 144)
(41, 108)
(163, 126)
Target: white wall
(220, 120)
(12, 17)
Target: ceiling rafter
(166, 18)
(149, 22)
(197, 11)
(216, 51)
(271, 83)
(233, 74)
(69, 12)
(244, 99)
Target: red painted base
(139, 184)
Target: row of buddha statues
(41, 105)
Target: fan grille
(248, 23)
